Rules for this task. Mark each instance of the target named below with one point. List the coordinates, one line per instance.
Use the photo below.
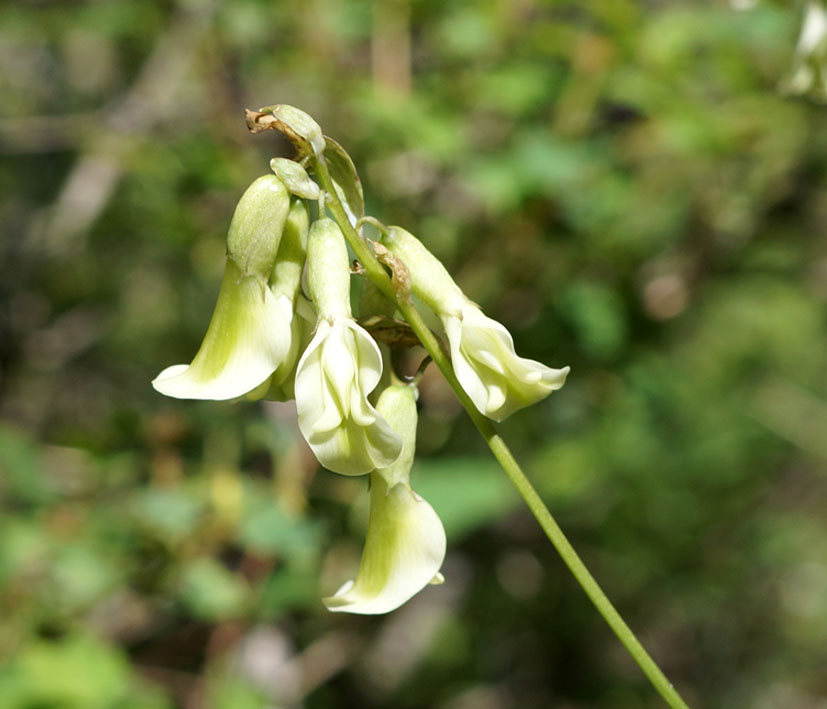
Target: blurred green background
(619, 182)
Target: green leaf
(21, 472)
(211, 591)
(172, 514)
(73, 672)
(268, 529)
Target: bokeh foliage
(619, 182)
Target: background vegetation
(619, 182)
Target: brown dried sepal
(258, 122)
(400, 276)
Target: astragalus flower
(340, 367)
(250, 331)
(405, 543)
(482, 350)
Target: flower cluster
(271, 337)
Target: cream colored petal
(339, 364)
(316, 406)
(283, 382)
(368, 356)
(350, 449)
(464, 369)
(498, 381)
(343, 429)
(404, 550)
(246, 341)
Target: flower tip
(559, 377)
(438, 579)
(165, 382)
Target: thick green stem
(377, 274)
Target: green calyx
(257, 225)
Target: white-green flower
(405, 543)
(340, 367)
(250, 331)
(482, 350)
(246, 340)
(497, 380)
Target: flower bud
(397, 404)
(295, 178)
(298, 126)
(256, 228)
(285, 279)
(328, 270)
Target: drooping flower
(340, 367)
(482, 350)
(249, 334)
(405, 543)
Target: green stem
(377, 274)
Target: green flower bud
(328, 270)
(398, 406)
(287, 270)
(256, 228)
(299, 127)
(295, 178)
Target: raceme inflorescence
(279, 335)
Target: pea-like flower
(340, 367)
(405, 543)
(482, 351)
(250, 331)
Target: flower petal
(404, 550)
(498, 381)
(346, 433)
(246, 341)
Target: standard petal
(404, 550)
(246, 341)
